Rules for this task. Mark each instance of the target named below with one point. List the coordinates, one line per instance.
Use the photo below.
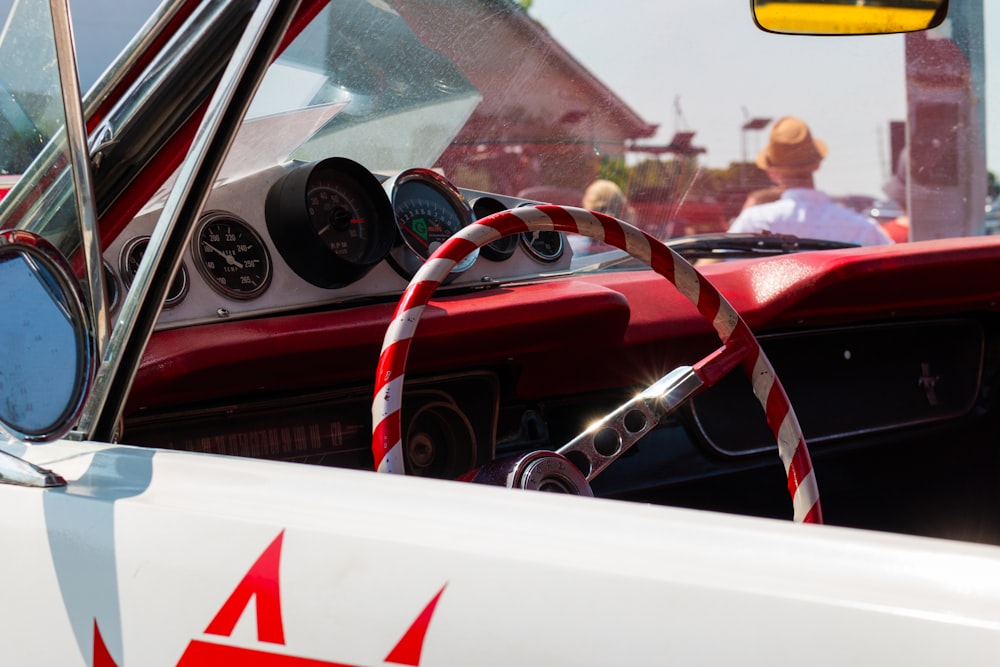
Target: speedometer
(429, 210)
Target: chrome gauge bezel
(112, 288)
(531, 245)
(133, 251)
(503, 248)
(252, 245)
(407, 256)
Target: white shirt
(810, 214)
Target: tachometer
(330, 221)
(428, 211)
(232, 256)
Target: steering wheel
(571, 467)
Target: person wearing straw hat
(791, 156)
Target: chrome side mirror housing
(47, 349)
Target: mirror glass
(46, 359)
(848, 17)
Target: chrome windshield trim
(130, 55)
(79, 158)
(173, 221)
(155, 77)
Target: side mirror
(847, 17)
(47, 352)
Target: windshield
(32, 109)
(545, 98)
(638, 112)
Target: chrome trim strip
(130, 55)
(79, 158)
(18, 471)
(155, 77)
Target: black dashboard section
(331, 221)
(448, 426)
(852, 382)
(890, 382)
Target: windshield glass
(33, 114)
(638, 112)
(545, 98)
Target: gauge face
(425, 218)
(545, 246)
(429, 210)
(343, 216)
(232, 257)
(129, 262)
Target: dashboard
(273, 330)
(306, 235)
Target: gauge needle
(226, 256)
(421, 239)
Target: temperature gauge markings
(232, 257)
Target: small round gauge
(331, 221)
(128, 264)
(428, 211)
(544, 246)
(231, 256)
(504, 247)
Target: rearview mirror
(47, 353)
(848, 17)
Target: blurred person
(606, 197)
(762, 196)
(791, 156)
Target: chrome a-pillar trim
(253, 53)
(79, 164)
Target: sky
(706, 58)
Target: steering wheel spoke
(608, 438)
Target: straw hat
(791, 147)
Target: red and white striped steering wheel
(595, 449)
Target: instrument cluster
(303, 235)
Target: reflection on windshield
(34, 112)
(402, 102)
